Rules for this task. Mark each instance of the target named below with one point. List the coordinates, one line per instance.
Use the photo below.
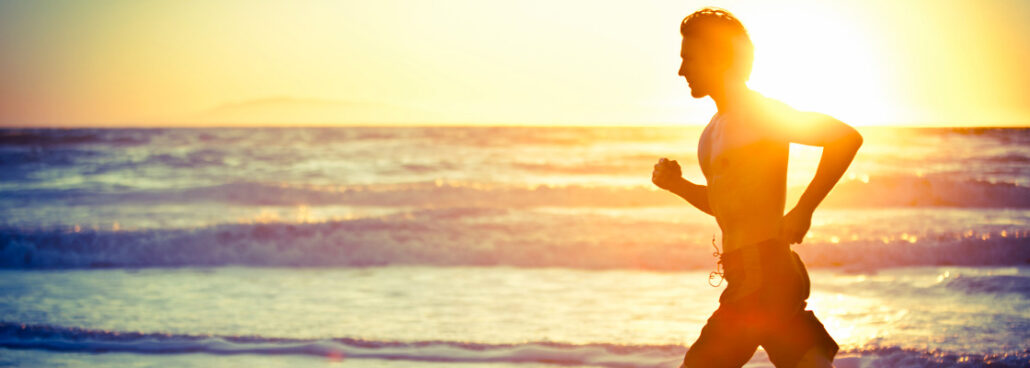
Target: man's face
(699, 68)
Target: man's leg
(799, 339)
(724, 342)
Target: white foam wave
(881, 192)
(476, 237)
(55, 338)
(58, 338)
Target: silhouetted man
(743, 155)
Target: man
(743, 156)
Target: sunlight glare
(819, 60)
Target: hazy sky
(221, 62)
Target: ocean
(482, 247)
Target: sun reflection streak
(304, 215)
(838, 320)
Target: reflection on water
(952, 309)
(103, 171)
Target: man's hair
(730, 41)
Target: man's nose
(683, 71)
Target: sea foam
(71, 339)
(479, 237)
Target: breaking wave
(71, 339)
(475, 237)
(82, 340)
(885, 192)
(993, 284)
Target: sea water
(475, 247)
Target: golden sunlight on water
(916, 308)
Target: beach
(482, 246)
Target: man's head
(716, 51)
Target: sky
(556, 62)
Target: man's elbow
(851, 138)
(855, 139)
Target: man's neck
(730, 97)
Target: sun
(819, 60)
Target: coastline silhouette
(743, 155)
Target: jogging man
(743, 155)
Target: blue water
(481, 246)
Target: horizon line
(469, 125)
(310, 126)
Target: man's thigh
(723, 343)
(789, 343)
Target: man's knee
(815, 358)
(688, 361)
(695, 358)
(710, 359)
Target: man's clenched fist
(666, 173)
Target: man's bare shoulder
(772, 111)
(777, 120)
(781, 122)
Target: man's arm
(667, 175)
(840, 143)
(697, 195)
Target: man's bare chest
(726, 151)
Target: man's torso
(746, 173)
